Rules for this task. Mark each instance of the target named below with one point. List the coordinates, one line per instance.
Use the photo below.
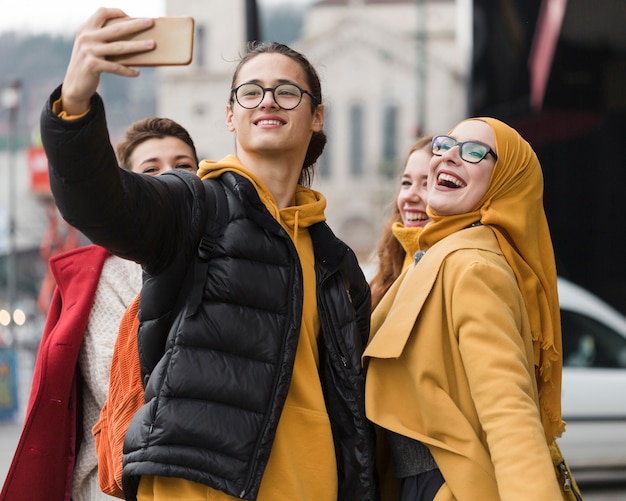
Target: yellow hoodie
(302, 463)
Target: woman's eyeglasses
(286, 96)
(470, 151)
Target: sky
(65, 17)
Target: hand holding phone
(173, 37)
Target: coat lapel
(395, 316)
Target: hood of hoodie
(310, 204)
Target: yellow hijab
(513, 208)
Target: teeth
(412, 216)
(268, 122)
(450, 181)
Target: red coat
(43, 463)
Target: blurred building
(196, 95)
(25, 265)
(556, 70)
(391, 70)
(394, 69)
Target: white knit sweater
(119, 284)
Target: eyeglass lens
(250, 95)
(470, 151)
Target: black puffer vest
(214, 398)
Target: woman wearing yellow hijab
(464, 362)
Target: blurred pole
(422, 63)
(465, 45)
(11, 102)
(252, 21)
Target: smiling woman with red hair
(399, 239)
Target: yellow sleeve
(58, 111)
(495, 345)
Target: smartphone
(173, 37)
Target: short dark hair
(318, 141)
(150, 128)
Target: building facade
(196, 95)
(391, 71)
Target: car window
(590, 343)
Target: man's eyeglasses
(470, 151)
(287, 96)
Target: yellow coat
(450, 363)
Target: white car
(594, 382)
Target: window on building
(199, 46)
(388, 161)
(357, 155)
(390, 133)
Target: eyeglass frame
(460, 145)
(233, 92)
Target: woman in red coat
(55, 457)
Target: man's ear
(229, 118)
(318, 118)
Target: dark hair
(150, 128)
(389, 251)
(318, 141)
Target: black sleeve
(146, 219)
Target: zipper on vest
(323, 309)
(331, 334)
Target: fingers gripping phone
(173, 37)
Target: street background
(593, 488)
(584, 104)
(10, 433)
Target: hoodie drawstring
(295, 230)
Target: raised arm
(143, 218)
(92, 45)
(136, 217)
